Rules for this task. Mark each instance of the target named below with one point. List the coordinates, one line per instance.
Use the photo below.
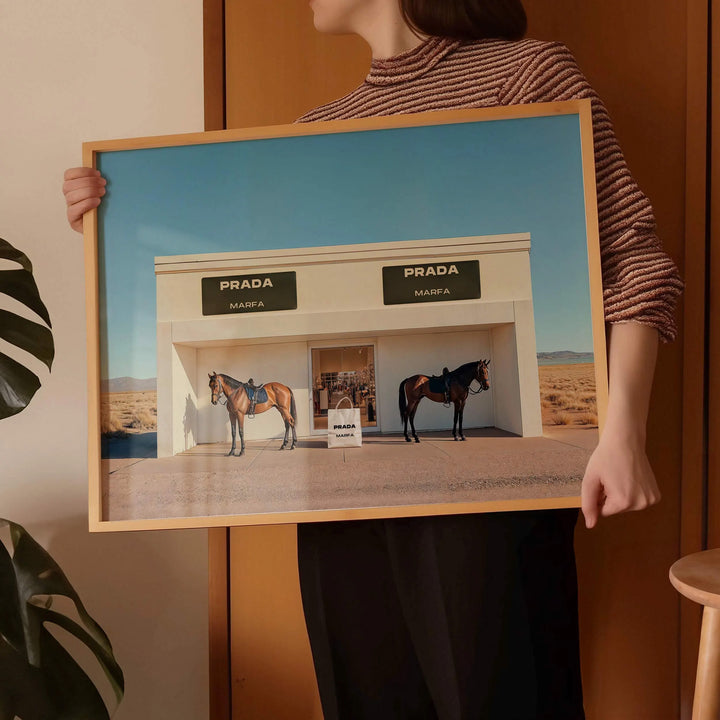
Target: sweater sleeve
(640, 281)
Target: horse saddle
(437, 384)
(257, 394)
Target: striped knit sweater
(640, 282)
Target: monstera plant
(18, 384)
(39, 679)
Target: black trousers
(469, 617)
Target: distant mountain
(562, 355)
(128, 384)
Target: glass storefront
(344, 372)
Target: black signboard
(249, 293)
(433, 282)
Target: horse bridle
(220, 394)
(476, 392)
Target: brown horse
(457, 382)
(278, 396)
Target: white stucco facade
(340, 300)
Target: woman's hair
(467, 19)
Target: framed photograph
(358, 319)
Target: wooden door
(277, 67)
(713, 525)
(646, 59)
(636, 56)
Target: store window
(344, 372)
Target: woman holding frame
(474, 617)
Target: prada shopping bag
(344, 426)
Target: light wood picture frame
(340, 259)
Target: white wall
(79, 70)
(185, 392)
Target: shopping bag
(344, 426)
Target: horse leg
(407, 418)
(412, 421)
(287, 427)
(460, 420)
(405, 425)
(455, 420)
(241, 431)
(233, 420)
(287, 434)
(289, 424)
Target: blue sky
(480, 178)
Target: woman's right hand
(83, 189)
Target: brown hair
(467, 19)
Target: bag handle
(345, 397)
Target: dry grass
(111, 426)
(143, 420)
(128, 413)
(567, 395)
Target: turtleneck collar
(410, 64)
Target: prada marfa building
(350, 320)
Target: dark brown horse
(457, 382)
(278, 396)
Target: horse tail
(293, 409)
(402, 400)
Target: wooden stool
(697, 577)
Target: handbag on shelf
(344, 426)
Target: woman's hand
(83, 189)
(618, 477)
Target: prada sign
(249, 293)
(435, 282)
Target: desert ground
(567, 395)
(385, 474)
(128, 413)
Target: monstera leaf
(18, 384)
(39, 679)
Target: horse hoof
(463, 438)
(407, 439)
(230, 454)
(455, 437)
(417, 440)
